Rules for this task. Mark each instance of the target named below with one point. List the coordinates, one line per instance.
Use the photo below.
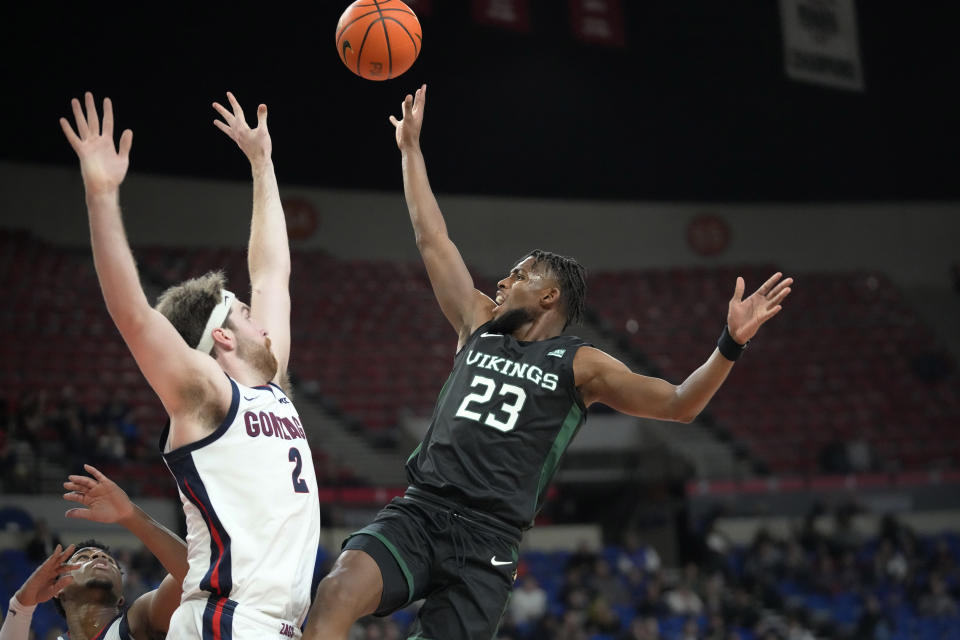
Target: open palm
(104, 500)
(102, 165)
(746, 315)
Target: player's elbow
(683, 411)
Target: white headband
(217, 317)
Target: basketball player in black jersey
(517, 395)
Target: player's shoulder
(589, 359)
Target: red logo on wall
(708, 235)
(302, 218)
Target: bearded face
(258, 355)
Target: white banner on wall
(820, 43)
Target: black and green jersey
(502, 422)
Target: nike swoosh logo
(499, 563)
(491, 335)
(249, 399)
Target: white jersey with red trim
(249, 493)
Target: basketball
(378, 39)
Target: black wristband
(730, 348)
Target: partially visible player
(517, 395)
(235, 443)
(85, 580)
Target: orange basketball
(378, 39)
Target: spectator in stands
(42, 543)
(642, 628)
(571, 627)
(583, 556)
(889, 563)
(654, 604)
(740, 609)
(795, 566)
(529, 602)
(937, 601)
(606, 584)
(684, 601)
(834, 456)
(601, 618)
(90, 595)
(874, 622)
(690, 630)
(860, 454)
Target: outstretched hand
(255, 143)
(745, 315)
(408, 129)
(49, 579)
(102, 499)
(102, 165)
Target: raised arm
(175, 371)
(268, 253)
(104, 501)
(602, 378)
(464, 307)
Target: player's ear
(549, 297)
(225, 338)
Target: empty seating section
(847, 359)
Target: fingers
(96, 473)
(223, 127)
(407, 105)
(126, 141)
(262, 116)
(93, 121)
(73, 496)
(738, 289)
(61, 584)
(420, 101)
(777, 299)
(78, 117)
(224, 112)
(81, 514)
(80, 482)
(393, 121)
(107, 118)
(71, 136)
(237, 111)
(768, 285)
(58, 557)
(783, 284)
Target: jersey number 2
(299, 484)
(512, 409)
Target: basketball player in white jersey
(86, 582)
(235, 443)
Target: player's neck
(241, 371)
(543, 327)
(86, 619)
